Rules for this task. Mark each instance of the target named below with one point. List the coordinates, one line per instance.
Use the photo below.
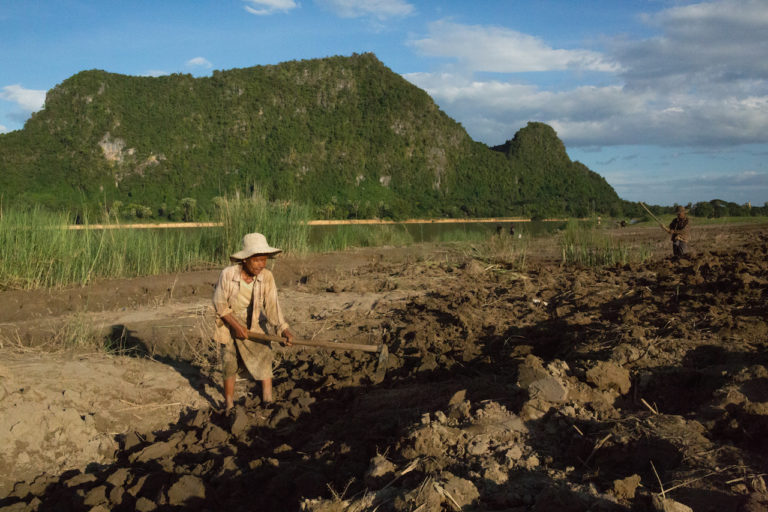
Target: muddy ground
(536, 389)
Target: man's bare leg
(229, 392)
(266, 390)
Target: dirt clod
(187, 488)
(606, 375)
(625, 488)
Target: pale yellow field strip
(181, 225)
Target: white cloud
(158, 72)
(739, 187)
(714, 47)
(29, 100)
(381, 9)
(200, 62)
(267, 7)
(701, 81)
(3, 129)
(741, 19)
(492, 111)
(498, 49)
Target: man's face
(255, 264)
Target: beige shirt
(243, 300)
(264, 299)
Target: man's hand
(238, 331)
(288, 335)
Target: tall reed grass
(284, 224)
(38, 251)
(585, 244)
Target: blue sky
(666, 99)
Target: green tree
(188, 205)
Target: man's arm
(238, 330)
(672, 226)
(221, 293)
(678, 228)
(224, 313)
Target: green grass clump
(502, 252)
(584, 244)
(508, 250)
(77, 333)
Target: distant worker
(245, 298)
(512, 230)
(679, 228)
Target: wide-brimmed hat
(680, 209)
(254, 243)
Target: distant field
(344, 222)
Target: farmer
(679, 228)
(245, 299)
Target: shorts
(249, 355)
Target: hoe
(380, 349)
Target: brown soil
(551, 388)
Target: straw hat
(254, 243)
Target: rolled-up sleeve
(222, 292)
(225, 287)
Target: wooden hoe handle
(321, 344)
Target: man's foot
(229, 417)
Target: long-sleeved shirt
(264, 299)
(680, 228)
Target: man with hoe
(679, 228)
(245, 298)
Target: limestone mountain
(345, 135)
(543, 169)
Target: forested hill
(538, 157)
(344, 134)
